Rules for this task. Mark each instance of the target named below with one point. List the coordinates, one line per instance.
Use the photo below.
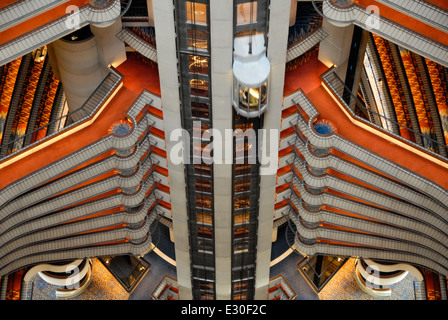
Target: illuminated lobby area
(249, 150)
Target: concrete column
(274, 234)
(167, 63)
(80, 69)
(111, 50)
(51, 54)
(150, 12)
(293, 13)
(277, 45)
(221, 35)
(335, 49)
(360, 64)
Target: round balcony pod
(251, 69)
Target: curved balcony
(18, 11)
(56, 29)
(349, 219)
(429, 43)
(421, 10)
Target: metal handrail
(429, 187)
(414, 13)
(62, 20)
(354, 6)
(9, 6)
(336, 87)
(135, 37)
(98, 144)
(320, 33)
(100, 89)
(19, 5)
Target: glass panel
(200, 110)
(264, 93)
(203, 273)
(197, 39)
(199, 131)
(240, 286)
(203, 202)
(244, 13)
(235, 91)
(203, 217)
(240, 218)
(203, 170)
(203, 185)
(244, 126)
(205, 232)
(254, 98)
(198, 64)
(241, 233)
(241, 245)
(242, 169)
(244, 95)
(198, 149)
(196, 12)
(242, 202)
(199, 84)
(199, 87)
(242, 185)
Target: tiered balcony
(346, 193)
(397, 27)
(280, 289)
(102, 185)
(166, 289)
(54, 24)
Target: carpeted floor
(343, 286)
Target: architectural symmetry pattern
(224, 122)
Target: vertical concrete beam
(221, 35)
(335, 48)
(293, 13)
(111, 50)
(80, 69)
(277, 45)
(150, 12)
(167, 63)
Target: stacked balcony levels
(99, 200)
(346, 200)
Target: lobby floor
(341, 287)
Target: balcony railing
(364, 155)
(96, 99)
(341, 11)
(21, 10)
(58, 28)
(135, 42)
(346, 96)
(421, 10)
(306, 44)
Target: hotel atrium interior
(223, 150)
